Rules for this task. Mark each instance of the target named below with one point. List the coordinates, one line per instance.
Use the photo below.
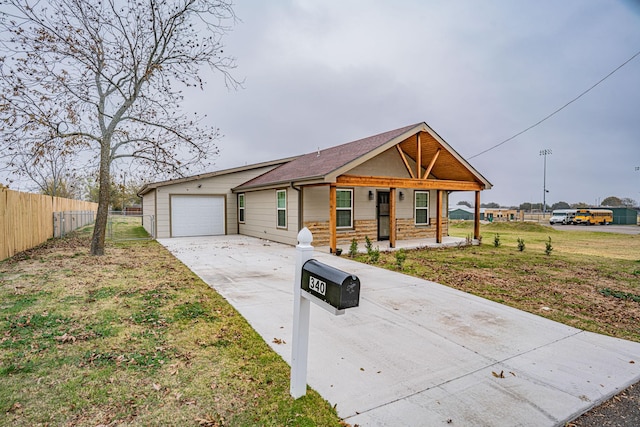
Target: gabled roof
(325, 165)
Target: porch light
(401, 195)
(370, 195)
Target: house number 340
(317, 285)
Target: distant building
(462, 213)
(625, 215)
(500, 214)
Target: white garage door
(197, 216)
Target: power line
(559, 109)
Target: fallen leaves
(66, 338)
(501, 374)
(211, 420)
(16, 407)
(278, 341)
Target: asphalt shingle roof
(321, 163)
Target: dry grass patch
(133, 338)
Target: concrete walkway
(416, 353)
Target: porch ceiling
(446, 166)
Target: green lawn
(133, 338)
(590, 280)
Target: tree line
(611, 201)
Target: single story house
(391, 186)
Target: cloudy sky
(323, 73)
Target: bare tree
(104, 76)
(49, 169)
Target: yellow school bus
(593, 216)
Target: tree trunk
(100, 227)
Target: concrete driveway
(416, 353)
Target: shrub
(548, 248)
(353, 249)
(520, 244)
(401, 257)
(496, 240)
(368, 245)
(374, 255)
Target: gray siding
(261, 216)
(149, 211)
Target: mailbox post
(330, 288)
(301, 311)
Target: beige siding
(149, 211)
(261, 216)
(212, 186)
(388, 163)
(316, 203)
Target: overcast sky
(319, 73)
(323, 73)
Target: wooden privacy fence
(27, 219)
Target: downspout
(300, 207)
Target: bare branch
(100, 74)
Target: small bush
(401, 257)
(353, 249)
(368, 245)
(374, 256)
(496, 240)
(520, 244)
(548, 248)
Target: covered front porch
(393, 184)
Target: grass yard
(133, 338)
(590, 280)
(122, 227)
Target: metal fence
(66, 222)
(124, 226)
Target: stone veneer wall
(406, 230)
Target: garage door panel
(197, 216)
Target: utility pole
(544, 153)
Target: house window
(241, 208)
(281, 197)
(344, 208)
(422, 207)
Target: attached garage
(197, 215)
(201, 205)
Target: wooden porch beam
(406, 162)
(476, 217)
(392, 217)
(439, 216)
(418, 156)
(333, 234)
(433, 162)
(419, 184)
